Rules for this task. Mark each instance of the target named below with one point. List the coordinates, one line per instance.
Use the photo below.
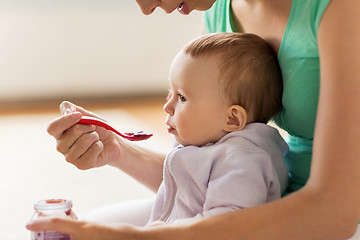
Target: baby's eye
(181, 98)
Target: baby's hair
(249, 71)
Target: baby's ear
(236, 118)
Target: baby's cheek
(194, 136)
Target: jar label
(49, 235)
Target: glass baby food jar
(52, 207)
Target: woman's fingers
(81, 144)
(58, 126)
(85, 152)
(92, 157)
(80, 230)
(68, 107)
(75, 137)
(62, 225)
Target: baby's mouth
(170, 129)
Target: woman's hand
(85, 146)
(81, 230)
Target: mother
(318, 46)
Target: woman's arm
(144, 165)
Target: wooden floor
(143, 107)
(51, 105)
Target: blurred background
(87, 48)
(101, 54)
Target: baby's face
(196, 106)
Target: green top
(299, 61)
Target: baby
(224, 88)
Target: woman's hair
(249, 71)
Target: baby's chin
(183, 142)
(191, 142)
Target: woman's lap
(135, 212)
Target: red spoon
(138, 136)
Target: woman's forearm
(306, 214)
(302, 215)
(144, 165)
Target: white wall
(60, 48)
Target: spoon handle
(94, 121)
(129, 136)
